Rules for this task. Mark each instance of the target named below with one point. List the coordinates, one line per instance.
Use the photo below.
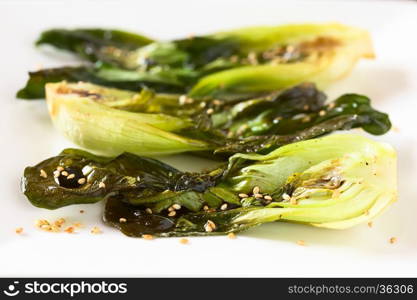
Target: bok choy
(235, 64)
(336, 181)
(111, 121)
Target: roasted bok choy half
(233, 64)
(109, 121)
(336, 181)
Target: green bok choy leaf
(111, 121)
(243, 63)
(336, 181)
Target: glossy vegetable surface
(243, 63)
(112, 121)
(333, 182)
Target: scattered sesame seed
(170, 209)
(147, 236)
(184, 241)
(392, 240)
(148, 210)
(81, 180)
(205, 207)
(101, 185)
(96, 230)
(322, 113)
(256, 190)
(69, 229)
(306, 107)
(210, 111)
(301, 243)
(331, 105)
(203, 104)
(209, 226)
(172, 213)
(122, 220)
(231, 235)
(242, 195)
(176, 206)
(81, 211)
(19, 230)
(57, 173)
(267, 197)
(59, 222)
(286, 197)
(71, 176)
(43, 174)
(182, 99)
(64, 173)
(41, 222)
(217, 102)
(224, 206)
(258, 196)
(293, 201)
(370, 224)
(46, 227)
(59, 169)
(78, 224)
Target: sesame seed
(41, 222)
(293, 201)
(392, 240)
(170, 209)
(96, 230)
(122, 220)
(81, 211)
(286, 197)
(176, 206)
(258, 196)
(256, 190)
(224, 206)
(172, 213)
(205, 207)
(78, 224)
(19, 230)
(210, 111)
(64, 173)
(101, 185)
(184, 241)
(148, 210)
(43, 174)
(59, 169)
(59, 222)
(370, 224)
(209, 226)
(231, 235)
(69, 229)
(242, 195)
(306, 107)
(203, 104)
(81, 180)
(301, 243)
(57, 173)
(70, 176)
(322, 113)
(46, 227)
(147, 236)
(267, 197)
(217, 102)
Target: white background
(28, 137)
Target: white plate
(27, 137)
